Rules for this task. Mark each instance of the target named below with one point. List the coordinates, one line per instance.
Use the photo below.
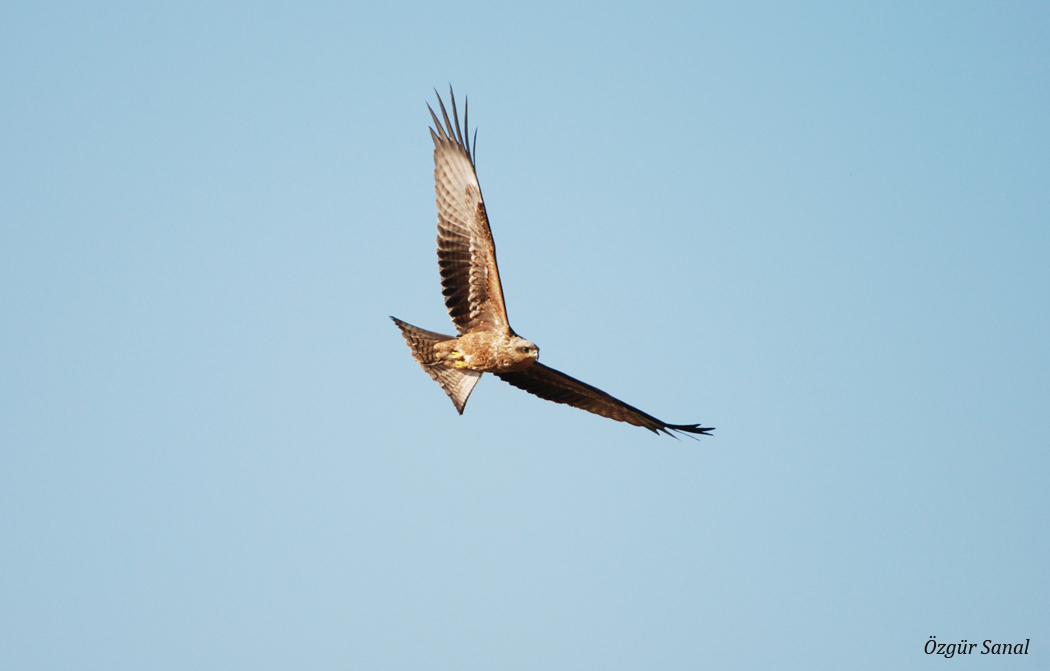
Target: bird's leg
(457, 359)
(450, 354)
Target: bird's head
(523, 349)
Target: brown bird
(474, 298)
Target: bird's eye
(525, 350)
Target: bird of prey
(474, 297)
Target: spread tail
(457, 383)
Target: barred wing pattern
(466, 252)
(556, 386)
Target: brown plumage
(474, 297)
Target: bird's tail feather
(456, 382)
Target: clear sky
(823, 228)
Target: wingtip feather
(691, 429)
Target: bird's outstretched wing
(556, 386)
(466, 252)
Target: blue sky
(821, 228)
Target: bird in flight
(474, 297)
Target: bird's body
(487, 352)
(474, 297)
